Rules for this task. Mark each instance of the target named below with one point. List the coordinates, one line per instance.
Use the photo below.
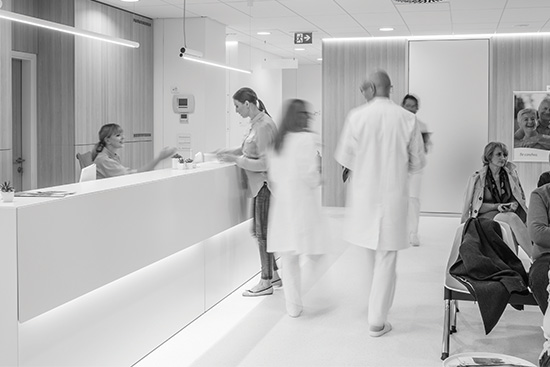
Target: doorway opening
(24, 137)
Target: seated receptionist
(495, 192)
(104, 154)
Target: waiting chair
(88, 173)
(85, 159)
(455, 291)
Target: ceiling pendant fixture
(37, 22)
(196, 56)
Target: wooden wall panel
(113, 83)
(55, 71)
(345, 65)
(142, 80)
(518, 64)
(5, 85)
(25, 37)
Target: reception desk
(106, 274)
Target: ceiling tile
(419, 7)
(479, 16)
(427, 18)
(528, 4)
(477, 4)
(525, 15)
(332, 21)
(379, 19)
(263, 9)
(312, 7)
(366, 6)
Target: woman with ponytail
(251, 157)
(108, 163)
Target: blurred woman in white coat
(295, 223)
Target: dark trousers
(260, 214)
(538, 280)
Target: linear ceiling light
(20, 18)
(211, 63)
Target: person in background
(538, 223)
(410, 103)
(495, 192)
(367, 90)
(381, 143)
(251, 157)
(107, 160)
(296, 224)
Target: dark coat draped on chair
(489, 269)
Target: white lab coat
(381, 143)
(296, 223)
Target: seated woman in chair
(495, 192)
(104, 155)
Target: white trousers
(415, 185)
(381, 279)
(292, 277)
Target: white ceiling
(349, 18)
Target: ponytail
(262, 108)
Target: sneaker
(277, 282)
(386, 329)
(264, 288)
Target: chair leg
(446, 330)
(455, 311)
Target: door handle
(19, 160)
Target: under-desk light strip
(20, 18)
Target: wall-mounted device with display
(183, 105)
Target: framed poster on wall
(531, 120)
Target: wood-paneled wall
(5, 97)
(518, 64)
(114, 83)
(55, 122)
(345, 65)
(25, 37)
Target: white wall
(206, 83)
(306, 83)
(451, 78)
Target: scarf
(502, 193)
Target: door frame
(29, 117)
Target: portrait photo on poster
(531, 121)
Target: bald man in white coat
(381, 143)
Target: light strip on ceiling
(20, 18)
(440, 37)
(202, 61)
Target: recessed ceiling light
(299, 49)
(320, 59)
(386, 29)
(263, 33)
(130, 1)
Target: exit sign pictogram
(303, 37)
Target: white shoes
(413, 239)
(386, 329)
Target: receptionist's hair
(106, 131)
(247, 94)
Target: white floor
(332, 330)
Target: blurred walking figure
(380, 143)
(410, 103)
(295, 220)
